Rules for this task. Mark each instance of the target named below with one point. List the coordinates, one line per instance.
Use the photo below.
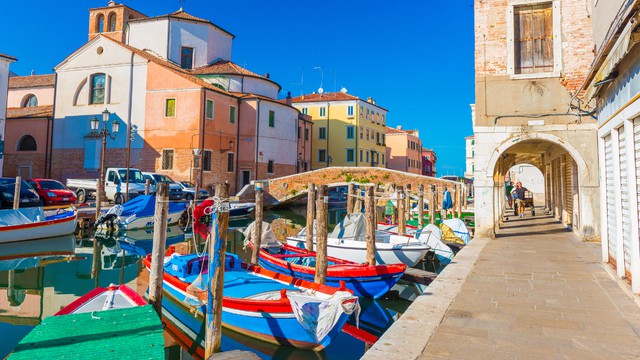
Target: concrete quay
(534, 292)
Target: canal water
(38, 278)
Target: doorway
(246, 177)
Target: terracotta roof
(181, 14)
(8, 57)
(335, 96)
(20, 82)
(391, 130)
(30, 112)
(227, 67)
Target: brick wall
(13, 161)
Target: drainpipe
(257, 134)
(201, 141)
(328, 132)
(47, 154)
(357, 134)
(55, 90)
(238, 142)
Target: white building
(5, 60)
(470, 168)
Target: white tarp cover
(352, 227)
(318, 317)
(268, 238)
(459, 229)
(431, 235)
(21, 216)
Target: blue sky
(415, 57)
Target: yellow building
(347, 131)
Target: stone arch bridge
(290, 189)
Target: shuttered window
(167, 159)
(533, 39)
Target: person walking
(509, 189)
(519, 192)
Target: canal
(38, 278)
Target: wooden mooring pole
(407, 203)
(16, 193)
(459, 200)
(159, 245)
(257, 226)
(351, 199)
(420, 206)
(402, 221)
(147, 186)
(322, 217)
(370, 218)
(464, 197)
(433, 204)
(217, 248)
(311, 215)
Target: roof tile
(21, 82)
(30, 112)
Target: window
(382, 159)
(350, 155)
(209, 109)
(305, 111)
(112, 22)
(299, 132)
(361, 110)
(367, 156)
(186, 58)
(361, 134)
(97, 88)
(232, 114)
(100, 23)
(360, 155)
(533, 38)
(167, 159)
(306, 133)
(27, 143)
(383, 119)
(323, 111)
(169, 107)
(350, 110)
(367, 114)
(206, 160)
(322, 133)
(272, 119)
(30, 100)
(383, 139)
(322, 155)
(230, 163)
(408, 162)
(367, 132)
(350, 132)
(270, 167)
(377, 137)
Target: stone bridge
(290, 189)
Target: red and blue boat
(363, 279)
(257, 302)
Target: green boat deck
(132, 333)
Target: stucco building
(613, 87)
(531, 57)
(29, 126)
(469, 155)
(429, 160)
(5, 60)
(347, 130)
(185, 109)
(404, 150)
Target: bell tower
(111, 20)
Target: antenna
(320, 90)
(321, 74)
(181, 4)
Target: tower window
(30, 100)
(100, 23)
(112, 22)
(27, 143)
(97, 88)
(186, 58)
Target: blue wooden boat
(364, 280)
(258, 303)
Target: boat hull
(147, 221)
(39, 230)
(241, 210)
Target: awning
(627, 39)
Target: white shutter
(568, 193)
(636, 171)
(624, 196)
(611, 199)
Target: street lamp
(104, 133)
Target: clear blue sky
(415, 57)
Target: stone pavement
(537, 292)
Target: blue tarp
(145, 205)
(446, 200)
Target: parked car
(52, 192)
(175, 190)
(28, 196)
(114, 185)
(189, 191)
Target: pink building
(429, 162)
(404, 149)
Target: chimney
(112, 3)
(374, 101)
(369, 99)
(289, 102)
(266, 75)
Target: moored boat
(257, 302)
(34, 223)
(138, 213)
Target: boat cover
(458, 228)
(145, 205)
(352, 227)
(21, 216)
(431, 235)
(268, 239)
(319, 317)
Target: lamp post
(104, 133)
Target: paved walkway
(538, 292)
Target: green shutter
(272, 119)
(170, 108)
(232, 115)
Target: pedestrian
(509, 188)
(519, 192)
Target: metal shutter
(624, 195)
(611, 199)
(568, 193)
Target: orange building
(404, 150)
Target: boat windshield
(52, 185)
(135, 176)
